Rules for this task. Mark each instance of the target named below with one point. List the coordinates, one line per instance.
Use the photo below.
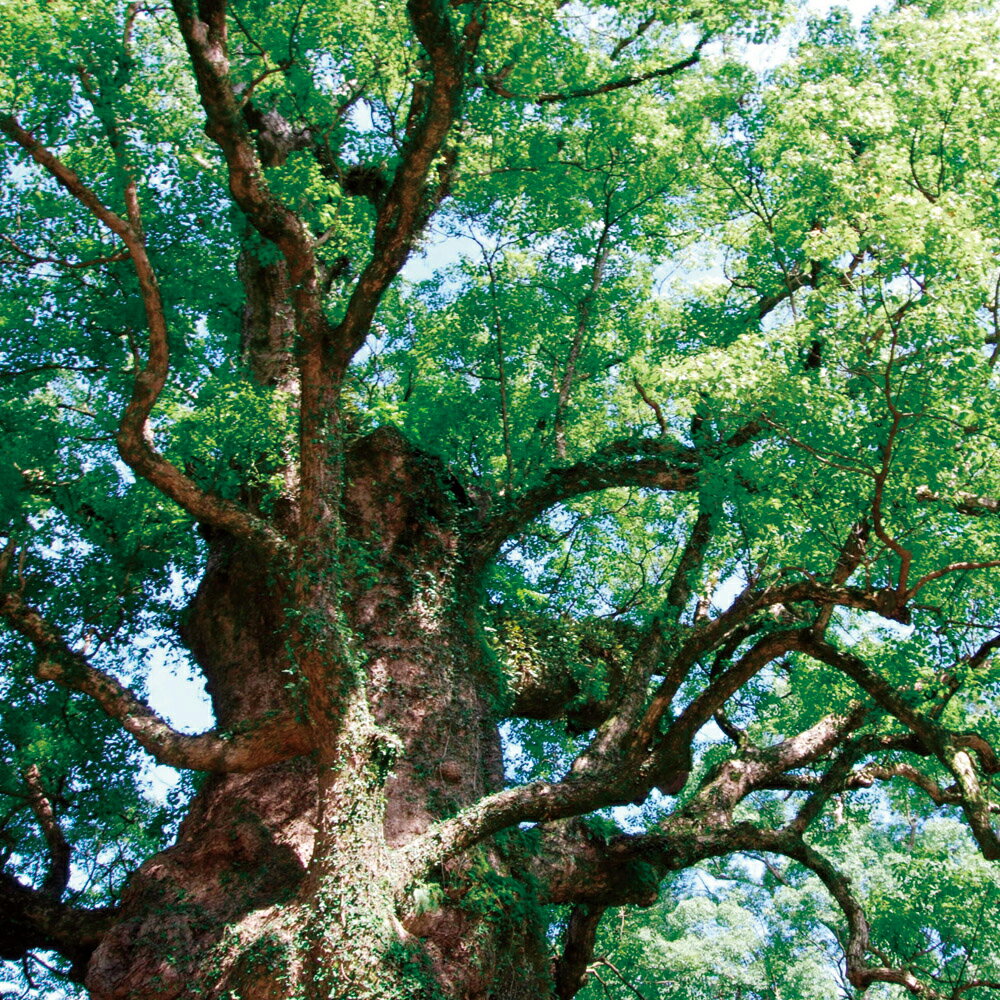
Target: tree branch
(408, 203)
(870, 773)
(578, 949)
(885, 694)
(205, 34)
(644, 462)
(678, 737)
(57, 877)
(963, 502)
(614, 780)
(975, 803)
(31, 919)
(951, 748)
(535, 802)
(270, 741)
(684, 847)
(495, 83)
(134, 435)
(573, 863)
(682, 586)
(34, 260)
(859, 973)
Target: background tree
(674, 481)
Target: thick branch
(673, 749)
(613, 741)
(832, 782)
(859, 973)
(585, 790)
(271, 741)
(975, 803)
(691, 843)
(57, 877)
(538, 801)
(643, 462)
(594, 783)
(571, 863)
(544, 684)
(134, 436)
(887, 695)
(578, 949)
(726, 785)
(865, 776)
(682, 586)
(206, 37)
(31, 919)
(951, 748)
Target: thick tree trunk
(246, 903)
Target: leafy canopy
(809, 252)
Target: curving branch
(884, 693)
(135, 443)
(686, 845)
(495, 81)
(32, 920)
(676, 742)
(270, 741)
(975, 984)
(572, 863)
(642, 462)
(650, 463)
(57, 877)
(535, 802)
(619, 775)
(975, 801)
(545, 687)
(859, 973)
(410, 200)
(627, 758)
(835, 780)
(579, 938)
(205, 35)
(952, 749)
(870, 773)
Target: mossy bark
(252, 901)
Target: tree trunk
(247, 903)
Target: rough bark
(226, 907)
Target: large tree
(667, 473)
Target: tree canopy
(649, 393)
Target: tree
(674, 481)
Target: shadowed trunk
(230, 907)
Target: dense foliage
(707, 351)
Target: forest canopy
(562, 437)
